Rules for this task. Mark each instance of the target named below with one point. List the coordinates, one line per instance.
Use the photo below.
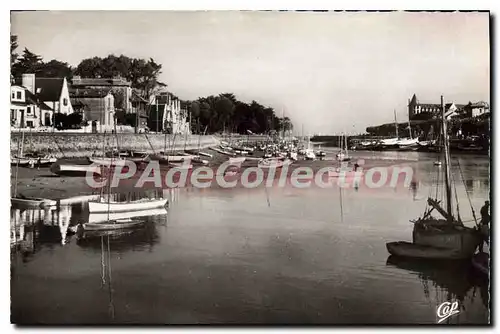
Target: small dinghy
(273, 163)
(223, 151)
(75, 170)
(32, 202)
(113, 225)
(237, 160)
(437, 163)
(143, 204)
(108, 162)
(411, 250)
(481, 262)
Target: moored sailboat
(434, 238)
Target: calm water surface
(306, 256)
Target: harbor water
(251, 256)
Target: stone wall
(85, 144)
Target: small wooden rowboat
(222, 151)
(75, 170)
(143, 204)
(108, 161)
(104, 216)
(408, 249)
(273, 163)
(113, 225)
(32, 202)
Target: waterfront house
(53, 92)
(476, 109)
(97, 106)
(26, 110)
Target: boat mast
(396, 124)
(409, 126)
(446, 162)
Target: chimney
(28, 81)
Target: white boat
(222, 151)
(171, 158)
(104, 217)
(407, 142)
(108, 161)
(31, 202)
(208, 155)
(237, 160)
(273, 163)
(389, 141)
(343, 155)
(78, 199)
(309, 154)
(437, 163)
(77, 170)
(112, 206)
(199, 161)
(180, 166)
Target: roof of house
(49, 89)
(34, 100)
(88, 93)
(30, 99)
(480, 104)
(76, 81)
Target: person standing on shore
(484, 227)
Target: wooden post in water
(446, 162)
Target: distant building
(166, 114)
(140, 107)
(476, 109)
(118, 86)
(96, 105)
(433, 109)
(26, 110)
(53, 92)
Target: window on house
(29, 124)
(13, 95)
(28, 110)
(13, 114)
(19, 96)
(65, 102)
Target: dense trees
(225, 113)
(30, 62)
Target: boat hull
(411, 250)
(126, 206)
(112, 226)
(75, 170)
(463, 240)
(32, 202)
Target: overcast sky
(329, 72)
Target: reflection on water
(446, 281)
(284, 256)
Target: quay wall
(74, 145)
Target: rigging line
(467, 192)
(103, 264)
(110, 289)
(456, 197)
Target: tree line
(211, 114)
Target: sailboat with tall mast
(435, 238)
(343, 155)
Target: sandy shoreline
(33, 182)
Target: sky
(329, 72)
